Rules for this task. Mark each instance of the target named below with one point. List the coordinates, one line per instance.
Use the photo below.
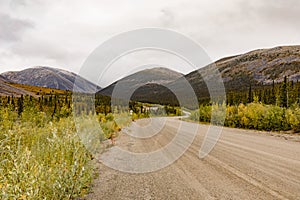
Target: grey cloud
(270, 12)
(222, 27)
(16, 3)
(12, 28)
(286, 13)
(19, 3)
(168, 18)
(42, 49)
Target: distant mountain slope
(259, 67)
(6, 89)
(49, 77)
(255, 67)
(157, 75)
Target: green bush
(232, 119)
(293, 118)
(109, 117)
(42, 162)
(205, 113)
(112, 123)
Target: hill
(154, 76)
(259, 67)
(49, 78)
(255, 68)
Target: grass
(46, 159)
(46, 162)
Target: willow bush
(41, 159)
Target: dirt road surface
(243, 165)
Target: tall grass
(40, 159)
(45, 158)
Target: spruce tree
(283, 94)
(20, 105)
(272, 94)
(250, 95)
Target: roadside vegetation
(41, 158)
(251, 116)
(41, 153)
(276, 108)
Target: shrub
(293, 118)
(251, 116)
(232, 119)
(42, 162)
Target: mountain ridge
(238, 72)
(256, 67)
(49, 77)
(156, 75)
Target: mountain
(255, 68)
(7, 89)
(157, 85)
(50, 78)
(259, 67)
(159, 76)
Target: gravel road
(243, 165)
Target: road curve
(243, 165)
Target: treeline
(272, 107)
(283, 94)
(54, 105)
(60, 105)
(254, 115)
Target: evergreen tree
(20, 105)
(272, 94)
(12, 103)
(54, 110)
(250, 95)
(283, 94)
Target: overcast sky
(63, 33)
